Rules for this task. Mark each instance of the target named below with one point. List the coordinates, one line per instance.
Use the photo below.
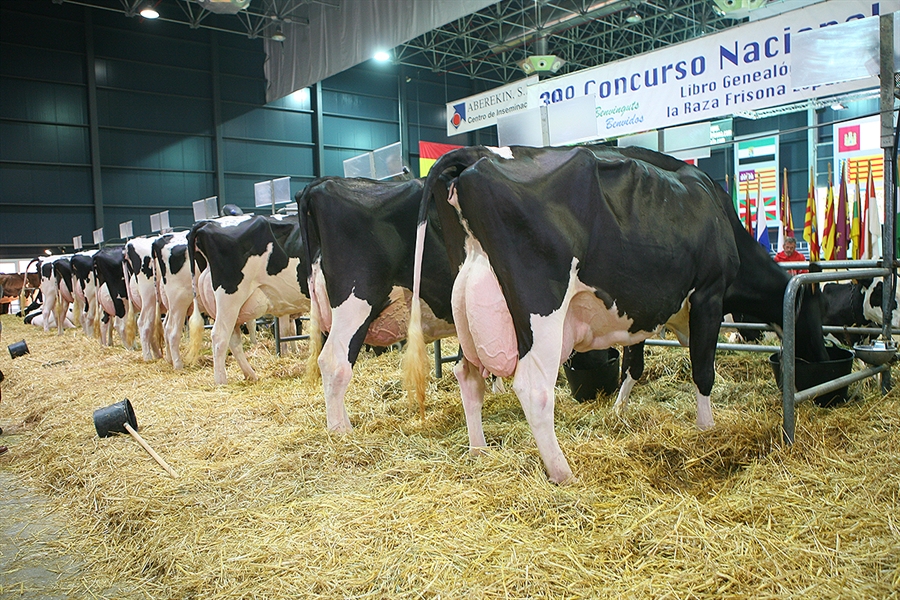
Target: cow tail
(195, 334)
(302, 198)
(22, 294)
(415, 359)
(158, 334)
(195, 323)
(313, 373)
(98, 313)
(130, 314)
(77, 307)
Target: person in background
(790, 254)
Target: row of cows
(525, 255)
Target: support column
(888, 242)
(218, 145)
(93, 127)
(318, 130)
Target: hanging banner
(756, 166)
(741, 69)
(482, 110)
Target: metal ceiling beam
(488, 44)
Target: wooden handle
(147, 447)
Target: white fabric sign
(482, 110)
(740, 69)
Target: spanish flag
(429, 152)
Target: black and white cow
(856, 303)
(142, 295)
(62, 273)
(244, 271)
(580, 249)
(360, 240)
(112, 294)
(84, 289)
(55, 304)
(175, 289)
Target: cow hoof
(477, 451)
(705, 425)
(341, 428)
(564, 479)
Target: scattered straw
(271, 505)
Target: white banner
(483, 109)
(740, 69)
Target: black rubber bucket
(807, 374)
(18, 349)
(591, 372)
(112, 419)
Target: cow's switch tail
(195, 334)
(77, 308)
(415, 359)
(315, 342)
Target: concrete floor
(30, 566)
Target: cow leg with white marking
(705, 319)
(226, 331)
(349, 320)
(471, 389)
(173, 326)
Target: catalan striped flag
(787, 220)
(810, 225)
(857, 224)
(828, 231)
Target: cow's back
(642, 237)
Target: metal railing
(790, 395)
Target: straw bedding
(268, 504)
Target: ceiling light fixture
(634, 17)
(278, 36)
(382, 56)
(542, 65)
(148, 12)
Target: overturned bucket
(18, 349)
(589, 373)
(112, 419)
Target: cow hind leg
(350, 321)
(632, 369)
(472, 388)
(149, 348)
(173, 327)
(237, 349)
(533, 385)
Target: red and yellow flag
(828, 231)
(810, 225)
(787, 221)
(429, 152)
(856, 225)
